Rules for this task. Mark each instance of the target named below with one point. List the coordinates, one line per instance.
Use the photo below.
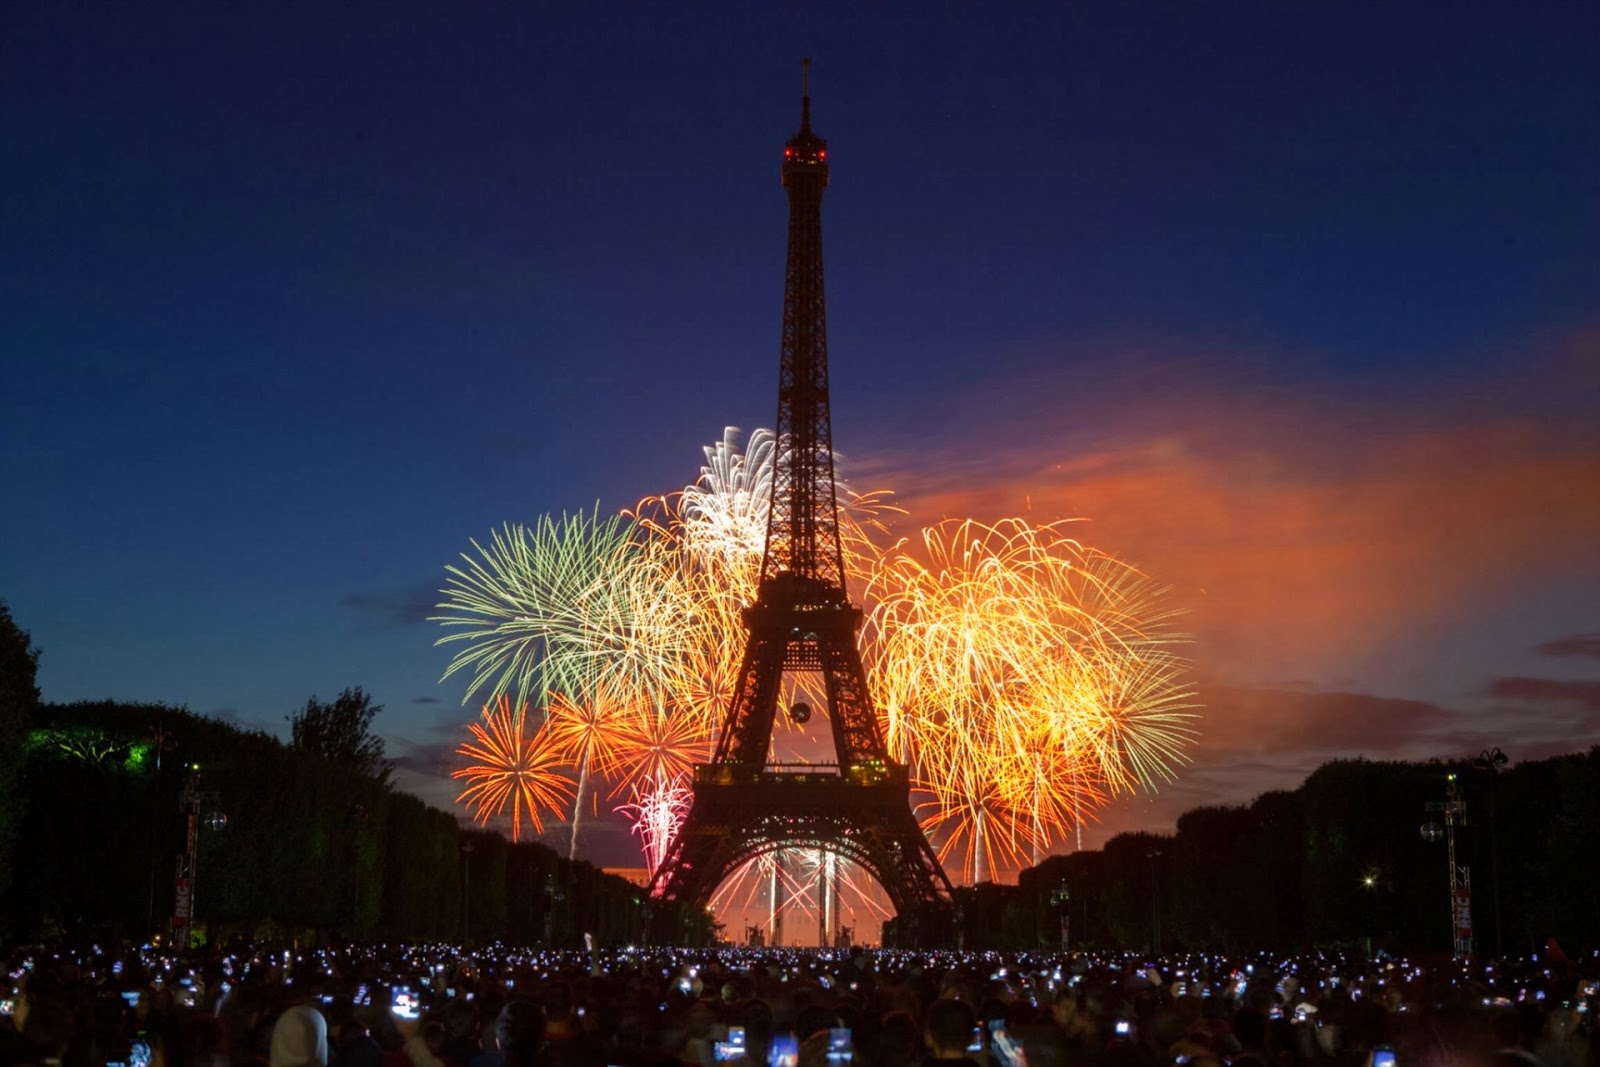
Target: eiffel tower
(802, 622)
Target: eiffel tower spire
(803, 524)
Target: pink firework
(656, 813)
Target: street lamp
(1060, 900)
(199, 808)
(1454, 810)
(1369, 881)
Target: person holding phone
(950, 1030)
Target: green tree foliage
(1337, 863)
(1560, 880)
(341, 733)
(306, 847)
(19, 696)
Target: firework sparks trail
(533, 608)
(1026, 679)
(851, 882)
(746, 884)
(654, 747)
(511, 768)
(718, 527)
(589, 736)
(580, 613)
(656, 813)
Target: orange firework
(1026, 679)
(587, 735)
(512, 769)
(657, 748)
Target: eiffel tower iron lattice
(802, 621)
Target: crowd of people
(438, 1006)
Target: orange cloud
(1304, 531)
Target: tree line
(316, 843)
(1341, 862)
(305, 839)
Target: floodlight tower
(1454, 810)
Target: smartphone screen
(1383, 1056)
(785, 1051)
(839, 1045)
(404, 1004)
(1001, 1047)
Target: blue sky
(1298, 305)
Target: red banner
(1463, 912)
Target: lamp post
(161, 740)
(1454, 810)
(191, 804)
(1060, 900)
(1369, 882)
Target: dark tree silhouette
(341, 732)
(19, 696)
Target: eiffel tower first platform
(803, 622)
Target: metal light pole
(1061, 899)
(1369, 882)
(190, 804)
(1455, 811)
(161, 740)
(550, 898)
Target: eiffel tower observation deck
(802, 621)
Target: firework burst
(536, 609)
(512, 769)
(1026, 679)
(656, 812)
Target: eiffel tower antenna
(803, 622)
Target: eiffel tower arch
(802, 622)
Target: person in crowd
(300, 1038)
(949, 1029)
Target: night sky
(1298, 306)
